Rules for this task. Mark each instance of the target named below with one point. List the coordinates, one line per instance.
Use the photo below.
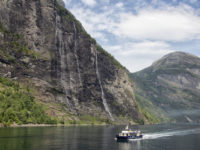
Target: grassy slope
(18, 105)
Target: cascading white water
(76, 56)
(102, 91)
(60, 45)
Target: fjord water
(156, 137)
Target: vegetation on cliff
(18, 105)
(13, 46)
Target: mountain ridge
(171, 85)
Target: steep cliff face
(44, 46)
(172, 86)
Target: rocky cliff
(43, 46)
(171, 87)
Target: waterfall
(102, 91)
(61, 50)
(75, 54)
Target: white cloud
(167, 23)
(143, 36)
(141, 48)
(172, 24)
(89, 2)
(146, 47)
(119, 5)
(139, 54)
(95, 23)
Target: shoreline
(51, 125)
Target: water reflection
(97, 138)
(130, 145)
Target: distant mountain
(46, 51)
(170, 87)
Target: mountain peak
(177, 58)
(179, 54)
(171, 85)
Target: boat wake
(168, 134)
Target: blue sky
(138, 32)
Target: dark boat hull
(126, 138)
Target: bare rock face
(51, 49)
(61, 2)
(172, 85)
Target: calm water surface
(156, 137)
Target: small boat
(128, 134)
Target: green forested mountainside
(170, 88)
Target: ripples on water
(156, 137)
